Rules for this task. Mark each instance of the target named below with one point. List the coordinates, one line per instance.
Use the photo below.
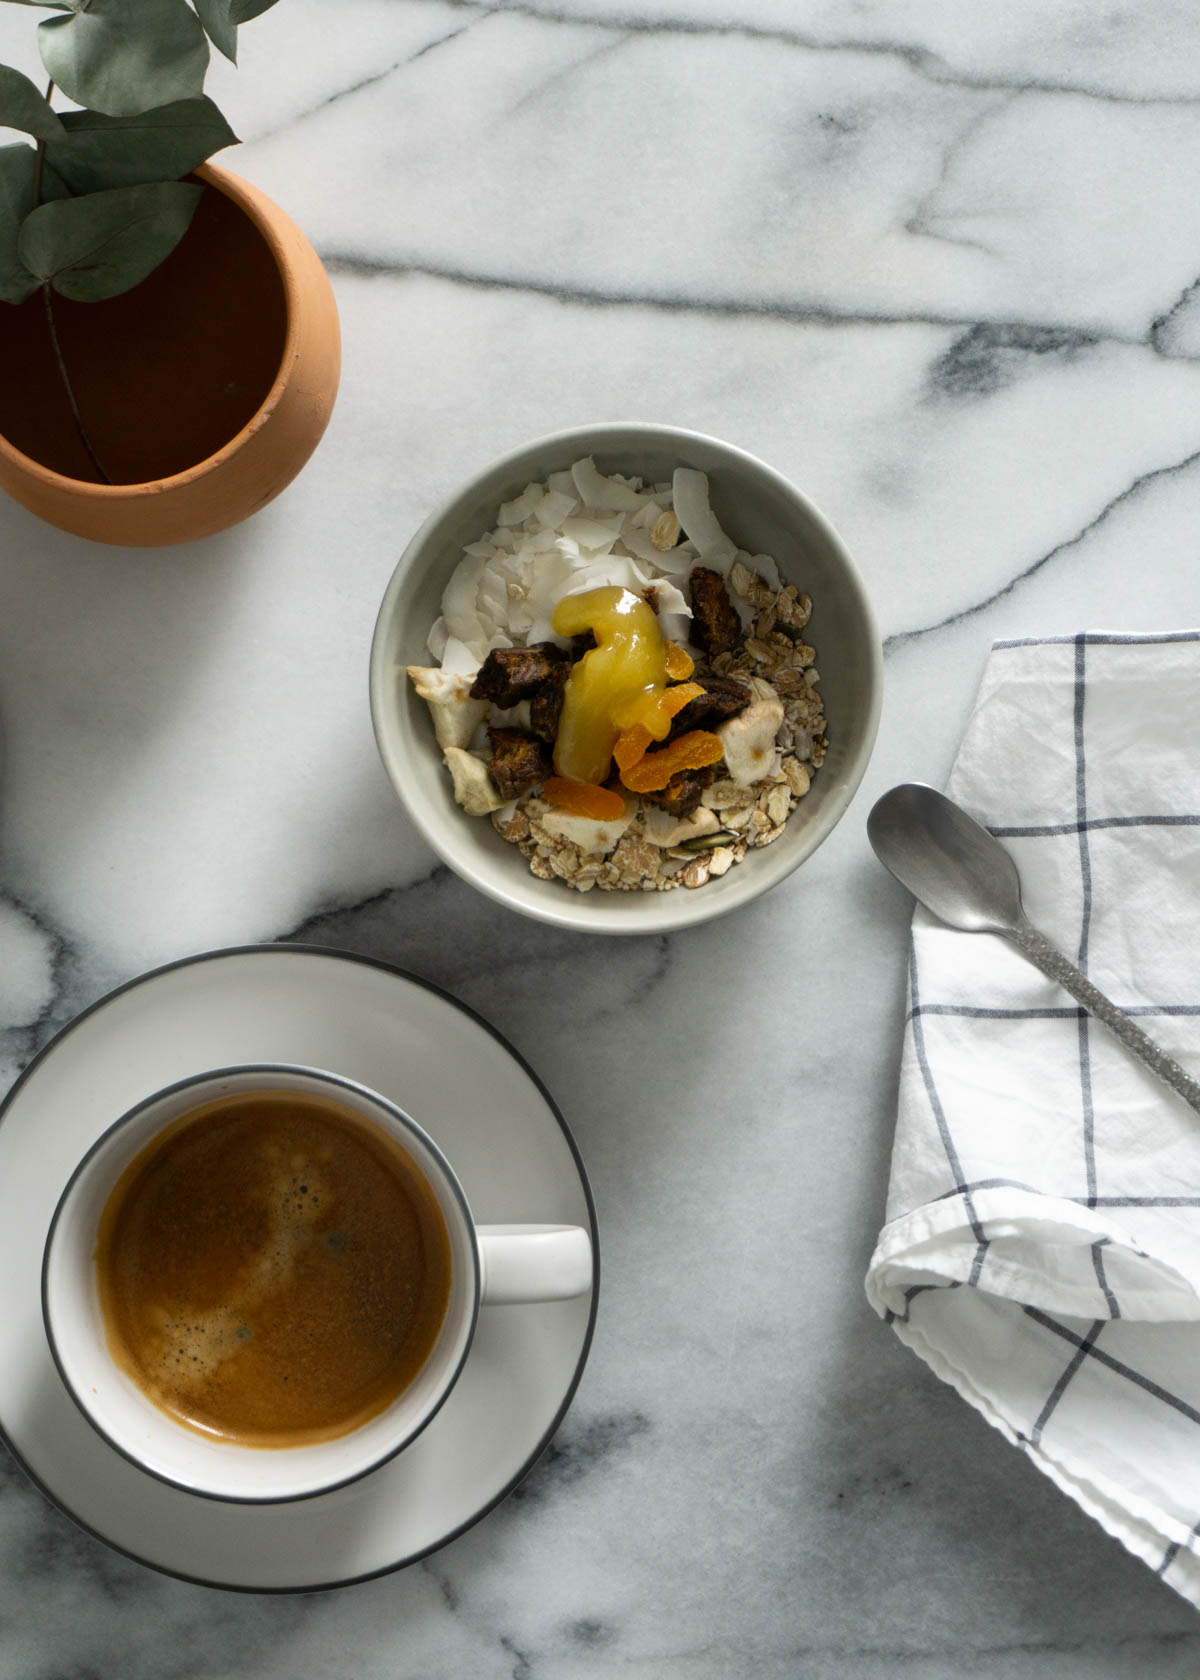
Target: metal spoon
(955, 868)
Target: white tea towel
(1042, 1244)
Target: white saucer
(477, 1099)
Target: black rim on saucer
(515, 1480)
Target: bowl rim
(665, 914)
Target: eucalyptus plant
(93, 201)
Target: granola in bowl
(628, 696)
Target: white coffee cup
(490, 1264)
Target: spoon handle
(1055, 966)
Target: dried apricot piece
(654, 724)
(680, 663)
(690, 752)
(632, 744)
(674, 699)
(584, 799)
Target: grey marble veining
(940, 267)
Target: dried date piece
(684, 791)
(723, 697)
(508, 675)
(716, 626)
(519, 761)
(545, 708)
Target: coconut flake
(695, 514)
(554, 507)
(518, 510)
(436, 639)
(457, 656)
(491, 600)
(676, 627)
(637, 541)
(600, 494)
(615, 571)
(458, 599)
(672, 602)
(595, 535)
(542, 630)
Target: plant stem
(48, 304)
(38, 155)
(62, 368)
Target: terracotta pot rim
(247, 198)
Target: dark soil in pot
(164, 375)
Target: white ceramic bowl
(763, 513)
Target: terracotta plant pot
(203, 390)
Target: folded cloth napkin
(1042, 1244)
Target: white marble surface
(937, 264)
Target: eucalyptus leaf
(100, 245)
(51, 184)
(16, 201)
(123, 58)
(218, 26)
(99, 152)
(44, 5)
(241, 11)
(23, 107)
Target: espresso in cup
(262, 1282)
(272, 1269)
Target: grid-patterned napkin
(1042, 1245)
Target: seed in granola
(696, 873)
(703, 843)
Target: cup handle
(533, 1262)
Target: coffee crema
(272, 1269)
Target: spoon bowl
(946, 859)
